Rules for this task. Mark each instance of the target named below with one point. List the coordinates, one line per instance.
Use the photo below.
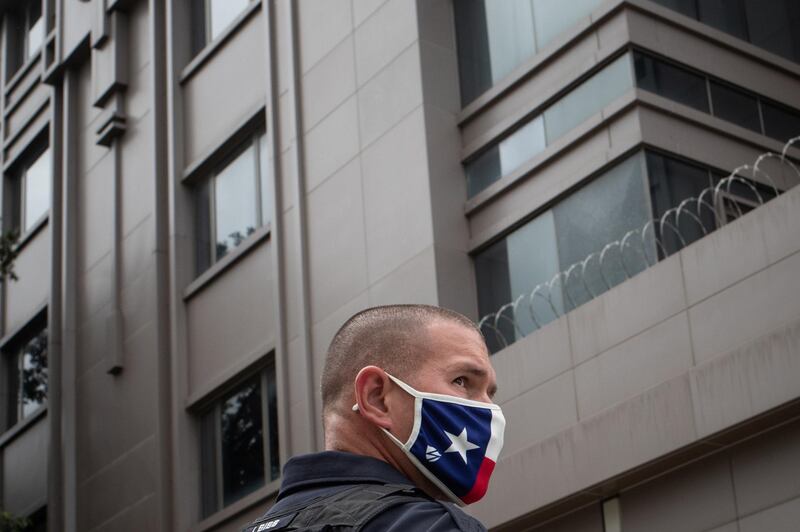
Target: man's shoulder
(368, 507)
(425, 515)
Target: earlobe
(371, 386)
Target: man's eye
(460, 381)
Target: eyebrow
(480, 373)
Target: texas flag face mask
(454, 442)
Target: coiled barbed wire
(638, 249)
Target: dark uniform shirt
(310, 476)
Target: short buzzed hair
(393, 337)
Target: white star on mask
(460, 444)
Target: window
(585, 100)
(599, 212)
(210, 18)
(643, 187)
(234, 202)
(772, 27)
(671, 82)
(26, 373)
(29, 199)
(723, 100)
(239, 447)
(496, 36)
(26, 34)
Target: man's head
(432, 349)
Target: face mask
(454, 442)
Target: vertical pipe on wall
(302, 226)
(277, 235)
(54, 315)
(69, 301)
(156, 10)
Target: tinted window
(725, 15)
(671, 82)
(242, 442)
(735, 106)
(779, 122)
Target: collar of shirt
(336, 468)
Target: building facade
(204, 190)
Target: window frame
(251, 142)
(15, 190)
(266, 375)
(22, 53)
(12, 349)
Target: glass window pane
(235, 202)
(267, 185)
(483, 171)
(686, 7)
(208, 459)
(242, 442)
(222, 13)
(588, 98)
(509, 26)
(34, 374)
(779, 122)
(671, 182)
(202, 219)
(725, 15)
(600, 213)
(671, 82)
(552, 18)
(532, 261)
(521, 145)
(12, 389)
(774, 28)
(272, 406)
(735, 106)
(37, 189)
(505, 157)
(494, 290)
(474, 65)
(35, 36)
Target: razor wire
(639, 249)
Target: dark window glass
(779, 122)
(494, 290)
(774, 26)
(671, 82)
(671, 182)
(483, 170)
(686, 7)
(735, 106)
(474, 65)
(242, 442)
(234, 447)
(771, 25)
(725, 15)
(27, 373)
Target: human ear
(371, 387)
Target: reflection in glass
(37, 189)
(672, 181)
(588, 98)
(235, 202)
(578, 105)
(671, 82)
(496, 36)
(222, 13)
(779, 122)
(735, 106)
(770, 25)
(27, 378)
(272, 426)
(242, 445)
(552, 19)
(266, 182)
(35, 28)
(599, 213)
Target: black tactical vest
(348, 510)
